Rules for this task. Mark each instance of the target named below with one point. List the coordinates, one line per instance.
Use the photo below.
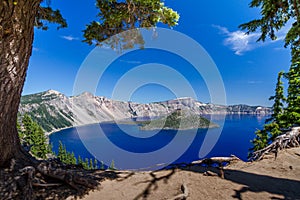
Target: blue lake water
(132, 148)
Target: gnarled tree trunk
(17, 19)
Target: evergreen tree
(86, 163)
(276, 122)
(79, 160)
(40, 146)
(62, 152)
(261, 139)
(112, 165)
(102, 165)
(293, 98)
(275, 15)
(73, 159)
(33, 136)
(279, 99)
(91, 165)
(67, 157)
(96, 164)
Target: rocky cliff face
(53, 110)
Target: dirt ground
(265, 179)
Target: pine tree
(275, 16)
(86, 163)
(293, 99)
(73, 159)
(79, 160)
(279, 99)
(40, 146)
(277, 120)
(91, 165)
(67, 157)
(261, 140)
(62, 153)
(112, 165)
(33, 136)
(96, 164)
(102, 165)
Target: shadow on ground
(289, 189)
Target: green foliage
(65, 156)
(91, 165)
(102, 165)
(112, 165)
(62, 153)
(95, 163)
(265, 136)
(118, 16)
(33, 135)
(261, 140)
(41, 114)
(69, 158)
(178, 120)
(79, 160)
(293, 99)
(279, 99)
(275, 15)
(37, 98)
(86, 163)
(277, 121)
(47, 14)
(47, 121)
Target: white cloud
(240, 42)
(69, 38)
(35, 49)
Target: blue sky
(248, 69)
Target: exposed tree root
(41, 179)
(286, 140)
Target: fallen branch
(210, 173)
(184, 195)
(216, 160)
(219, 161)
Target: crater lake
(143, 147)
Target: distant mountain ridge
(54, 110)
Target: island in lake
(177, 120)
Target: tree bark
(17, 18)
